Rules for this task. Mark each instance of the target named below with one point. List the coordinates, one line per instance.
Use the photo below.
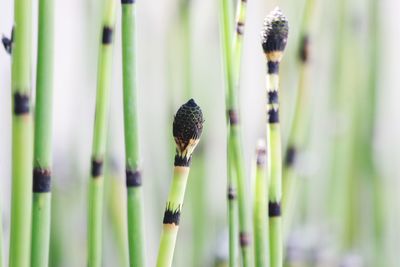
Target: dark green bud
(275, 32)
(188, 125)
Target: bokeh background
(179, 57)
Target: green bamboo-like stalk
(235, 133)
(41, 210)
(299, 123)
(226, 37)
(274, 39)
(22, 136)
(187, 128)
(133, 175)
(95, 208)
(260, 219)
(232, 51)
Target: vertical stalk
(187, 128)
(95, 210)
(133, 174)
(1, 237)
(235, 132)
(274, 39)
(260, 208)
(299, 123)
(41, 210)
(226, 37)
(22, 136)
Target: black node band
(273, 67)
(133, 178)
(41, 180)
(127, 1)
(240, 28)
(231, 193)
(304, 49)
(233, 117)
(274, 209)
(182, 161)
(107, 35)
(172, 216)
(290, 158)
(97, 168)
(244, 239)
(273, 97)
(21, 104)
(273, 115)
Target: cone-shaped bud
(275, 32)
(187, 127)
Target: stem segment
(260, 208)
(22, 136)
(41, 211)
(133, 175)
(95, 211)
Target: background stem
(22, 136)
(95, 207)
(133, 175)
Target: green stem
(100, 137)
(275, 172)
(133, 175)
(226, 37)
(22, 136)
(171, 216)
(260, 209)
(41, 210)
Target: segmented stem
(226, 37)
(22, 136)
(299, 123)
(41, 211)
(260, 218)
(172, 216)
(133, 174)
(95, 208)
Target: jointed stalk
(260, 220)
(232, 57)
(226, 37)
(22, 136)
(299, 124)
(187, 128)
(274, 39)
(133, 175)
(41, 211)
(99, 137)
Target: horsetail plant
(133, 174)
(232, 52)
(260, 219)
(235, 134)
(274, 39)
(22, 136)
(100, 137)
(41, 209)
(187, 129)
(299, 123)
(226, 37)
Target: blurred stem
(100, 137)
(1, 235)
(133, 175)
(226, 23)
(260, 217)
(117, 213)
(299, 123)
(41, 210)
(22, 136)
